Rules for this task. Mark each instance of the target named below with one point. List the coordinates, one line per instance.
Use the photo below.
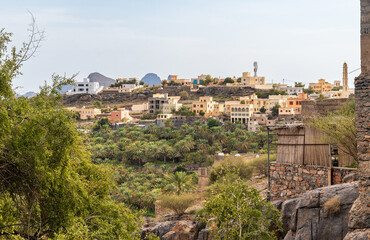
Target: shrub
(184, 95)
(332, 205)
(235, 211)
(234, 165)
(177, 203)
(259, 164)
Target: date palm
(179, 182)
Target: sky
(294, 40)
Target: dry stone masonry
(292, 180)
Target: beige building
(208, 106)
(249, 80)
(267, 103)
(175, 79)
(241, 113)
(163, 103)
(284, 111)
(322, 86)
(86, 113)
(259, 120)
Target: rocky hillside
(101, 79)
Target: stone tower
(345, 77)
(359, 218)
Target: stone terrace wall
(292, 180)
(321, 107)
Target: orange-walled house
(121, 115)
(296, 103)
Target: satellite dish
(255, 64)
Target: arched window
(232, 109)
(243, 109)
(239, 110)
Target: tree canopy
(237, 211)
(48, 186)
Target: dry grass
(177, 203)
(332, 205)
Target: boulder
(176, 228)
(306, 217)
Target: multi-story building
(337, 83)
(252, 81)
(85, 87)
(227, 106)
(241, 113)
(259, 120)
(86, 113)
(163, 103)
(296, 103)
(322, 86)
(120, 115)
(267, 103)
(207, 106)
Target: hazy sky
(297, 40)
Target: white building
(85, 87)
(290, 90)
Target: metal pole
(268, 164)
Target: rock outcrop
(176, 228)
(309, 217)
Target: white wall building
(85, 87)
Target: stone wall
(321, 107)
(292, 180)
(359, 219)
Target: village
(264, 105)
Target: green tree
(298, 84)
(48, 186)
(228, 80)
(201, 113)
(169, 123)
(275, 110)
(308, 90)
(179, 182)
(239, 212)
(263, 109)
(42, 164)
(208, 79)
(184, 95)
(213, 123)
(339, 127)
